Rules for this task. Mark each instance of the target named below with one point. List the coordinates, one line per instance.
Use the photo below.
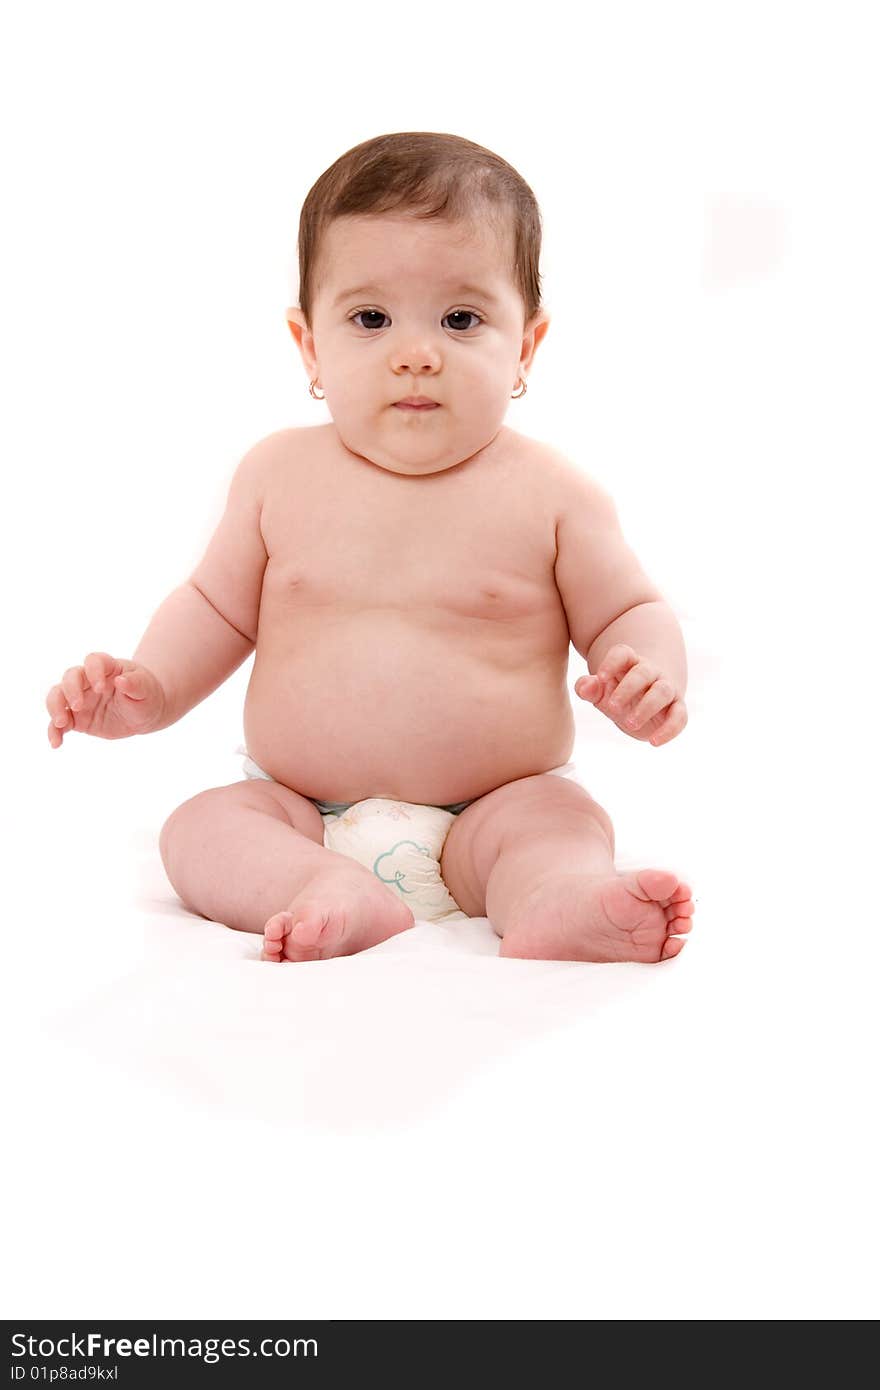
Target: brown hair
(431, 176)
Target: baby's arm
(190, 649)
(206, 628)
(618, 620)
(198, 636)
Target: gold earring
(518, 395)
(312, 391)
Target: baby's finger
(73, 686)
(616, 662)
(590, 688)
(60, 716)
(131, 684)
(656, 699)
(97, 665)
(637, 681)
(55, 701)
(672, 725)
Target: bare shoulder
(282, 445)
(276, 454)
(574, 491)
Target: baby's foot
(602, 918)
(339, 911)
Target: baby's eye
(464, 314)
(368, 313)
(455, 314)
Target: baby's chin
(413, 455)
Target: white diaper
(400, 842)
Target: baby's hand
(635, 696)
(105, 697)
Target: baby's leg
(537, 856)
(251, 855)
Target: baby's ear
(302, 334)
(296, 319)
(538, 324)
(304, 338)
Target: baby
(409, 578)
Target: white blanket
(427, 1129)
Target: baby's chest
(472, 565)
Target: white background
(706, 175)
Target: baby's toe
(316, 932)
(675, 910)
(678, 926)
(658, 885)
(277, 927)
(682, 893)
(679, 910)
(274, 933)
(671, 947)
(310, 925)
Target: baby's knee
(601, 815)
(190, 814)
(206, 817)
(168, 834)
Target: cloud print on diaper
(398, 874)
(411, 867)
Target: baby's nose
(415, 357)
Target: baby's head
(418, 259)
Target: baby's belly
(380, 707)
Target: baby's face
(416, 308)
